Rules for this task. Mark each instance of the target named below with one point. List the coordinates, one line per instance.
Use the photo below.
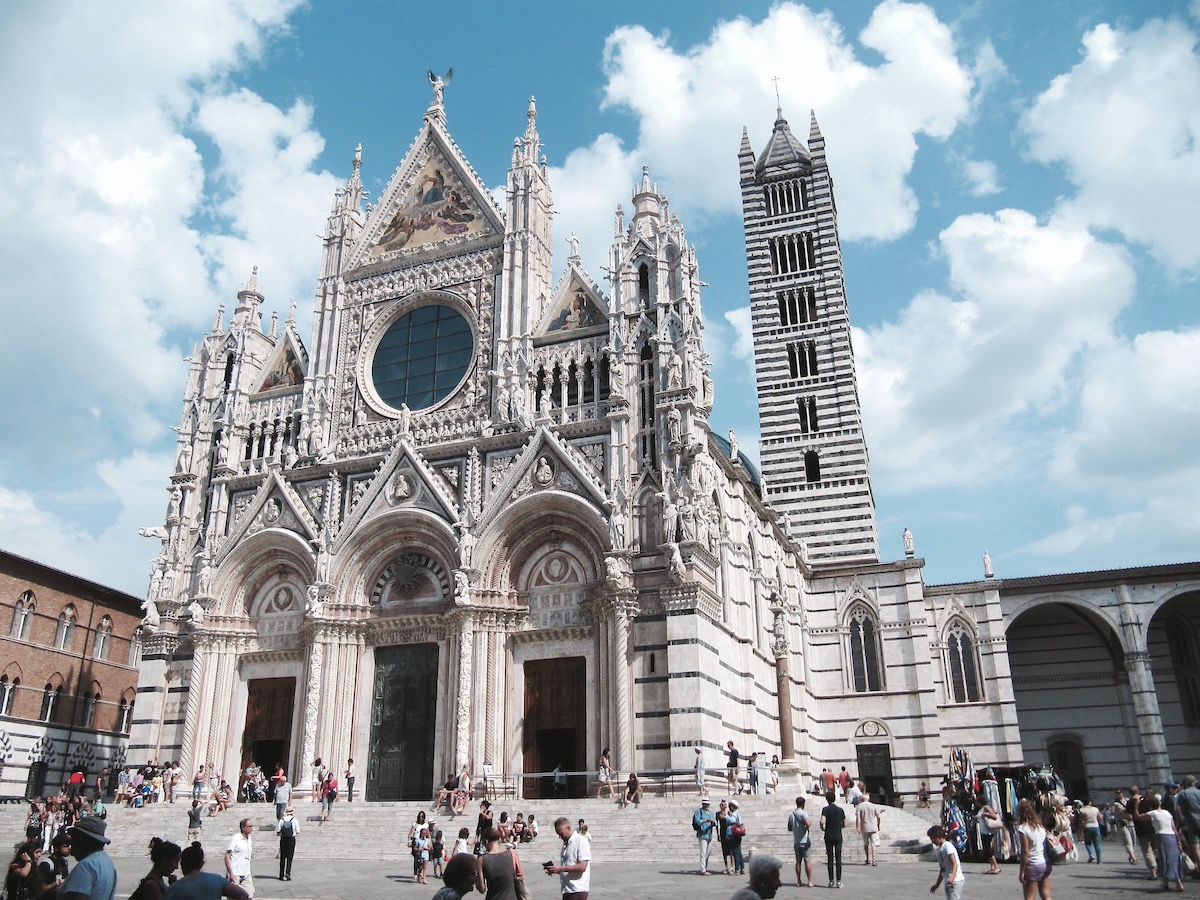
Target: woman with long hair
(604, 774)
(200, 885)
(164, 860)
(1034, 872)
(498, 869)
(722, 834)
(24, 880)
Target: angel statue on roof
(439, 84)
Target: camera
(547, 864)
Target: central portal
(555, 729)
(403, 719)
(267, 737)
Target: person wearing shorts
(799, 825)
(1034, 873)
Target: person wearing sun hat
(94, 878)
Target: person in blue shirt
(94, 878)
(703, 823)
(200, 885)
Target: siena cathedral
(480, 520)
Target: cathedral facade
(480, 520)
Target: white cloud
(1124, 122)
(101, 187)
(1139, 420)
(955, 388)
(875, 112)
(982, 177)
(743, 343)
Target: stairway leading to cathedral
(658, 831)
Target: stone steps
(660, 829)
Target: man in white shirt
(866, 820)
(238, 855)
(574, 869)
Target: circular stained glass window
(422, 357)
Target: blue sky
(1017, 184)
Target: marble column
(462, 721)
(1142, 690)
(624, 609)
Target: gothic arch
(1098, 617)
(383, 539)
(252, 563)
(518, 535)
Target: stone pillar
(789, 765)
(312, 695)
(195, 716)
(462, 718)
(1142, 690)
(624, 609)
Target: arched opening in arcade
(1173, 641)
(1073, 703)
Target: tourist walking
(731, 768)
(1169, 846)
(833, 820)
(574, 867)
(26, 876)
(800, 826)
(703, 823)
(1089, 824)
(1187, 810)
(990, 825)
(422, 844)
(752, 772)
(329, 792)
(195, 822)
(765, 880)
(287, 828)
(318, 779)
(1120, 811)
(1138, 810)
(866, 823)
(164, 860)
(238, 855)
(94, 877)
(722, 833)
(1034, 872)
(498, 869)
(197, 884)
(350, 775)
(283, 796)
(736, 831)
(948, 866)
(604, 775)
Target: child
(437, 852)
(459, 878)
(463, 844)
(948, 866)
(421, 848)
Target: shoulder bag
(519, 886)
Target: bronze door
(875, 770)
(555, 723)
(403, 720)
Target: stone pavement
(331, 879)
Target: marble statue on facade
(908, 543)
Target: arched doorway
(1069, 679)
(1173, 640)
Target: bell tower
(814, 453)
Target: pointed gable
(286, 368)
(577, 307)
(434, 198)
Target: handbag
(737, 829)
(519, 886)
(1055, 851)
(993, 824)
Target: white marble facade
(366, 577)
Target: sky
(1017, 184)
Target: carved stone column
(462, 719)
(312, 691)
(624, 608)
(195, 717)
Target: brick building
(69, 650)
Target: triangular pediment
(434, 203)
(404, 481)
(287, 366)
(577, 308)
(546, 464)
(275, 505)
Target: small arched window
(812, 467)
(962, 665)
(22, 617)
(103, 638)
(90, 702)
(50, 698)
(644, 284)
(66, 629)
(866, 674)
(8, 690)
(135, 647)
(124, 715)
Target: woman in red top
(328, 794)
